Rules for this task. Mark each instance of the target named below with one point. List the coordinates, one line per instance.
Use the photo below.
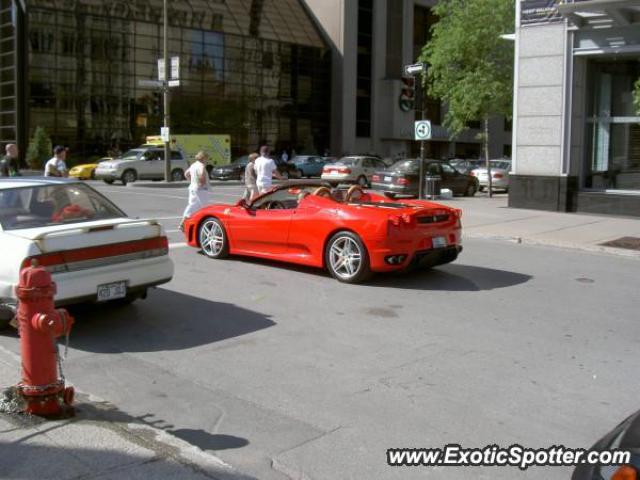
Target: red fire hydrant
(42, 387)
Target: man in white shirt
(55, 166)
(265, 169)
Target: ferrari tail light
(625, 472)
(402, 181)
(344, 170)
(497, 175)
(398, 220)
(375, 178)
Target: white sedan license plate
(112, 291)
(387, 179)
(439, 242)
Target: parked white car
(356, 169)
(94, 252)
(144, 163)
(499, 175)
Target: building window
(364, 65)
(613, 158)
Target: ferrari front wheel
(346, 258)
(213, 238)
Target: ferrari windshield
(43, 206)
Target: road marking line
(173, 246)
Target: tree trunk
(486, 154)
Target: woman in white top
(198, 186)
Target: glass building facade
(257, 70)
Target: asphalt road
(283, 372)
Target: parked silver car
(357, 169)
(499, 175)
(145, 163)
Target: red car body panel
(299, 235)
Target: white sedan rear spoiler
(90, 228)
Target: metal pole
(422, 117)
(167, 149)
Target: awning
(601, 13)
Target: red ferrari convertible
(350, 233)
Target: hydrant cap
(35, 277)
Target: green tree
(39, 150)
(636, 96)
(470, 65)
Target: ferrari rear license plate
(387, 179)
(112, 291)
(439, 242)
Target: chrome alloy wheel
(212, 238)
(345, 257)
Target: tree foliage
(470, 65)
(636, 96)
(40, 149)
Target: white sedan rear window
(41, 206)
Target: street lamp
(167, 149)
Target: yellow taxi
(86, 171)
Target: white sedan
(499, 175)
(357, 169)
(94, 252)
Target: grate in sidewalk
(630, 243)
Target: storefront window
(613, 160)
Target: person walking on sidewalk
(198, 186)
(9, 163)
(55, 166)
(266, 169)
(250, 187)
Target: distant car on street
(465, 166)
(402, 178)
(232, 171)
(499, 175)
(94, 252)
(352, 170)
(626, 436)
(309, 165)
(350, 232)
(144, 163)
(87, 171)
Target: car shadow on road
(166, 320)
(453, 277)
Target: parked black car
(626, 436)
(235, 170)
(401, 178)
(232, 171)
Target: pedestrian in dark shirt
(9, 163)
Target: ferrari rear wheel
(346, 258)
(213, 238)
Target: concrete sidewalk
(99, 442)
(491, 218)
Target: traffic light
(407, 100)
(156, 103)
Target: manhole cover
(630, 243)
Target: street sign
(415, 69)
(161, 73)
(150, 83)
(422, 130)
(164, 134)
(175, 68)
(173, 83)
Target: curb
(565, 246)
